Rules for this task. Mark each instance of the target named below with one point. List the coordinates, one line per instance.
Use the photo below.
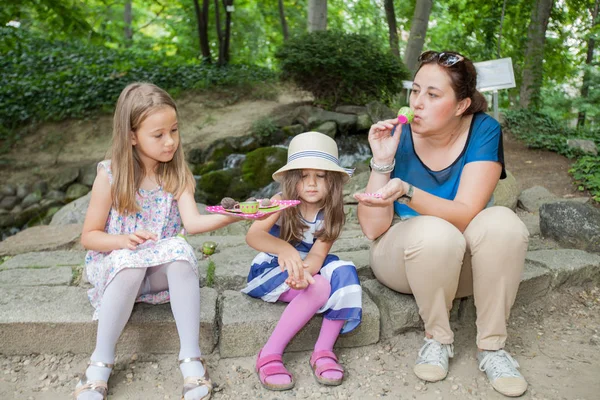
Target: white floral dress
(159, 214)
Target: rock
(357, 183)
(586, 146)
(59, 276)
(64, 178)
(568, 266)
(363, 122)
(312, 117)
(258, 168)
(8, 190)
(41, 238)
(72, 213)
(219, 150)
(351, 109)
(194, 156)
(531, 221)
(76, 191)
(214, 185)
(9, 202)
(87, 174)
(293, 130)
(40, 186)
(31, 198)
(507, 192)
(55, 195)
(22, 190)
(45, 259)
(379, 112)
(531, 199)
(571, 224)
(399, 312)
(328, 128)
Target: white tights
(117, 304)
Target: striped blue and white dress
(266, 281)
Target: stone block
(568, 266)
(45, 259)
(41, 238)
(59, 319)
(247, 323)
(57, 276)
(535, 283)
(361, 261)
(399, 312)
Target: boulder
(76, 191)
(379, 111)
(72, 213)
(259, 165)
(571, 224)
(586, 146)
(312, 117)
(328, 128)
(507, 192)
(64, 178)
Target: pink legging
(303, 305)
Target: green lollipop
(405, 115)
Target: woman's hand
(389, 193)
(132, 240)
(383, 144)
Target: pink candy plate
(262, 211)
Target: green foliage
(264, 127)
(52, 79)
(586, 172)
(210, 273)
(341, 68)
(541, 131)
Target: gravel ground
(557, 343)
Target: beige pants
(430, 258)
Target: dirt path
(556, 342)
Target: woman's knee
(321, 289)
(436, 236)
(498, 225)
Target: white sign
(495, 74)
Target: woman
(438, 175)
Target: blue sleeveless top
(484, 143)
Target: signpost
(493, 75)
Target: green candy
(405, 115)
(208, 248)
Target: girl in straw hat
(295, 266)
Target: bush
(340, 68)
(540, 131)
(52, 80)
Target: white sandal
(86, 385)
(193, 382)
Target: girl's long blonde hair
(292, 225)
(136, 102)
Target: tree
(127, 17)
(317, 15)
(585, 86)
(284, 26)
(531, 82)
(390, 15)
(202, 22)
(418, 30)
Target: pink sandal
(271, 370)
(331, 366)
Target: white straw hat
(313, 150)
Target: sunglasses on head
(445, 59)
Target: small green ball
(208, 248)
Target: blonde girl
(295, 266)
(142, 198)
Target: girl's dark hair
(463, 78)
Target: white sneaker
(501, 370)
(432, 363)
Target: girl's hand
(383, 144)
(132, 240)
(290, 259)
(391, 192)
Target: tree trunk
(227, 37)
(221, 59)
(418, 30)
(202, 20)
(127, 19)
(317, 15)
(284, 26)
(533, 71)
(499, 51)
(585, 85)
(391, 20)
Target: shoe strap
(100, 364)
(328, 367)
(317, 355)
(262, 361)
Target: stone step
(44, 308)
(247, 323)
(59, 319)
